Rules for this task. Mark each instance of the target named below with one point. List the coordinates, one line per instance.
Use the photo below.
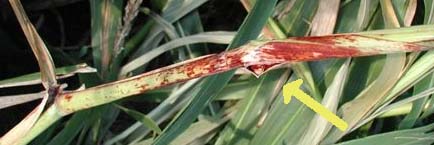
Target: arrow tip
(289, 89)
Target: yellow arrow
(293, 89)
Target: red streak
(305, 52)
(413, 47)
(68, 97)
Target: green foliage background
(385, 99)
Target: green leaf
(167, 27)
(362, 73)
(351, 21)
(235, 90)
(297, 20)
(7, 101)
(105, 22)
(172, 12)
(201, 128)
(47, 135)
(174, 102)
(419, 105)
(148, 122)
(284, 122)
(262, 91)
(72, 128)
(206, 37)
(417, 136)
(386, 108)
(35, 78)
(372, 96)
(319, 127)
(429, 12)
(429, 19)
(40, 50)
(189, 25)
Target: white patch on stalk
(250, 57)
(316, 54)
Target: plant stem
(49, 117)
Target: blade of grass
(386, 107)
(48, 118)
(45, 62)
(202, 128)
(103, 118)
(168, 16)
(325, 19)
(189, 25)
(235, 90)
(206, 37)
(282, 121)
(7, 101)
(14, 136)
(168, 28)
(419, 105)
(355, 22)
(417, 136)
(405, 11)
(35, 78)
(243, 125)
(145, 120)
(417, 71)
(72, 128)
(429, 19)
(389, 14)
(106, 20)
(319, 127)
(173, 11)
(165, 109)
(46, 136)
(192, 24)
(355, 110)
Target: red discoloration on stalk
(307, 52)
(213, 64)
(68, 97)
(207, 65)
(261, 59)
(143, 88)
(413, 47)
(282, 52)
